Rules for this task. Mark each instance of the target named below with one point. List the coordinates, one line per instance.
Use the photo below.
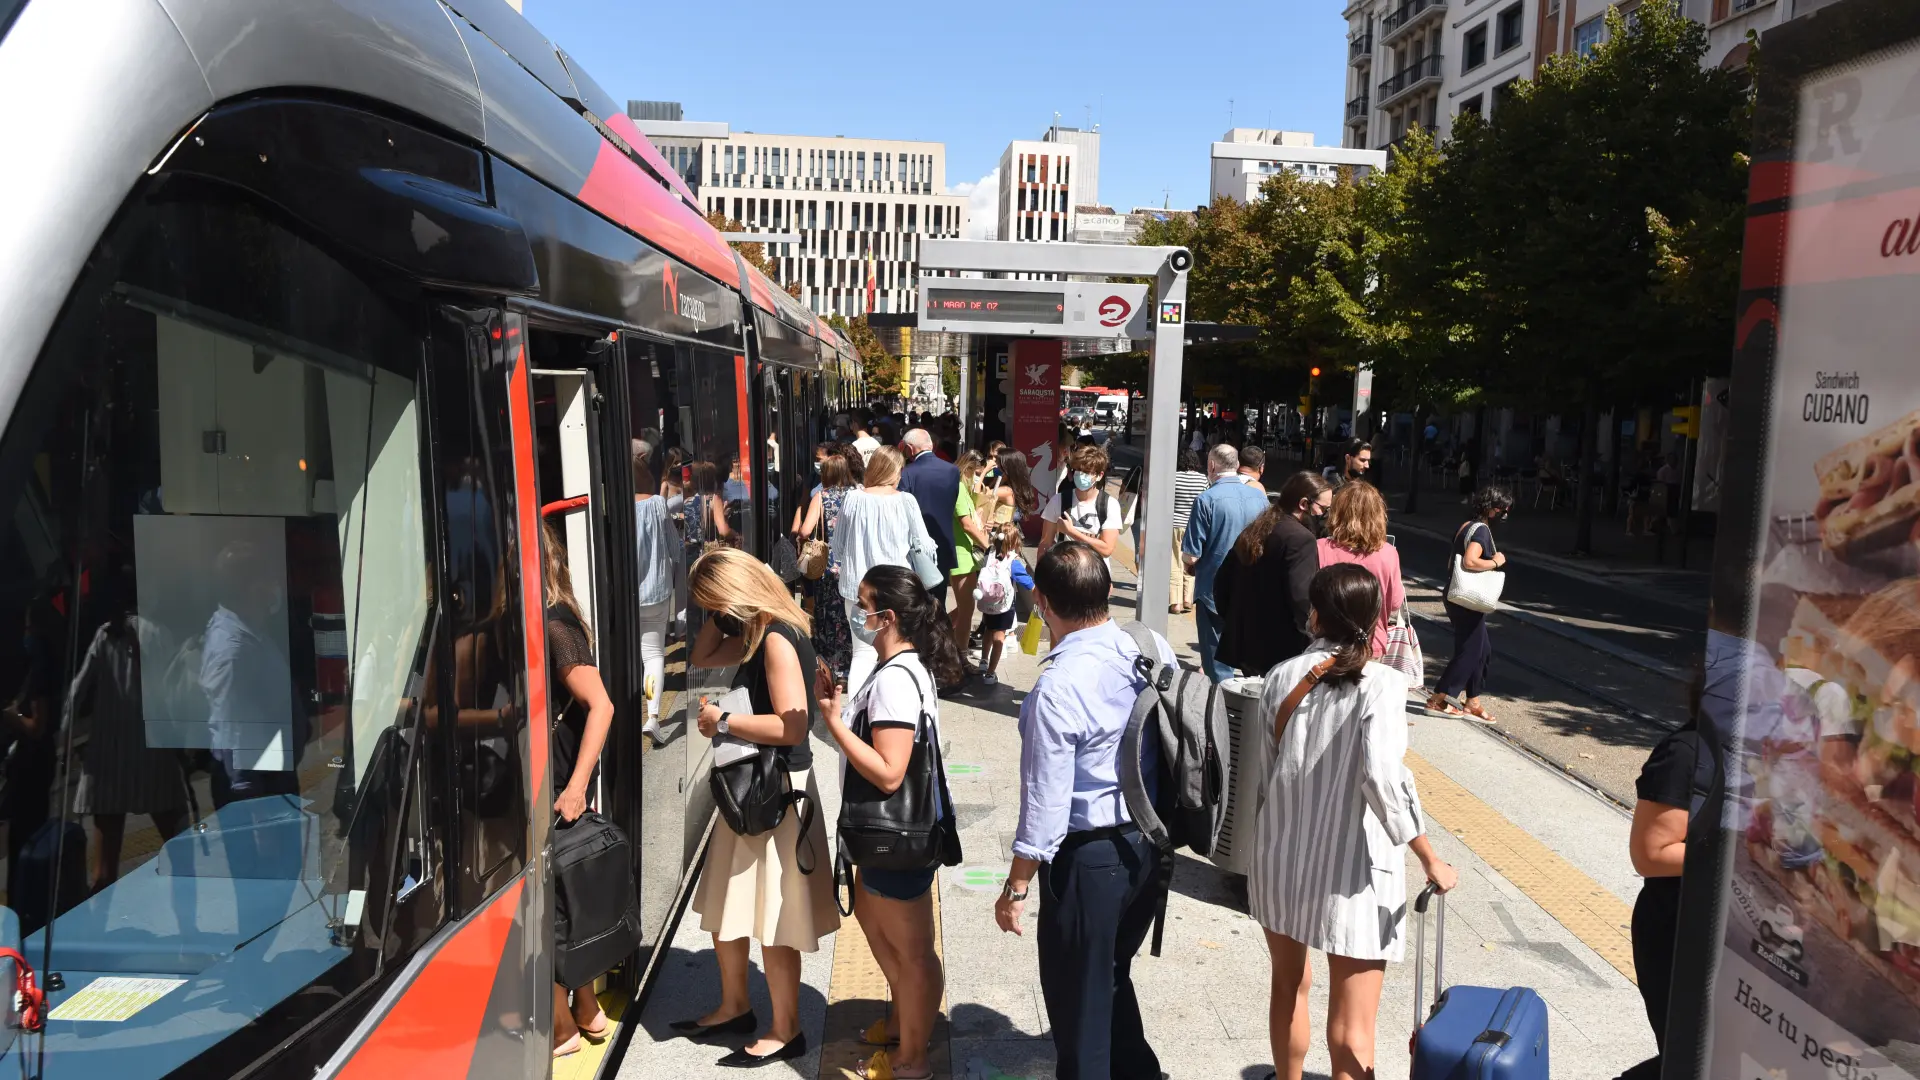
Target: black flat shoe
(740, 1059)
(744, 1024)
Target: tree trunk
(1413, 464)
(1589, 446)
(1610, 504)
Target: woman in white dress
(879, 525)
(1336, 809)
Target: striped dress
(1336, 808)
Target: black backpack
(753, 794)
(1184, 714)
(596, 913)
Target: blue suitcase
(1472, 1032)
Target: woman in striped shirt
(1188, 483)
(1337, 806)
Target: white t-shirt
(866, 444)
(890, 699)
(1085, 514)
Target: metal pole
(1163, 436)
(966, 397)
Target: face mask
(729, 624)
(1084, 481)
(816, 466)
(860, 629)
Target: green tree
(1595, 206)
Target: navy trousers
(1096, 904)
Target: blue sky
(1158, 77)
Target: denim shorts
(900, 885)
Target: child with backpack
(1002, 575)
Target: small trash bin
(1242, 697)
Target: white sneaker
(989, 678)
(652, 731)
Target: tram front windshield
(216, 583)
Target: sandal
(1443, 708)
(598, 1035)
(880, 1067)
(568, 1048)
(1475, 712)
(876, 1035)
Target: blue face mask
(1084, 481)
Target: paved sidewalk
(1544, 896)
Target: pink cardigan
(1384, 565)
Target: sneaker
(989, 678)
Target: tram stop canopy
(1081, 302)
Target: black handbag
(901, 831)
(753, 795)
(596, 910)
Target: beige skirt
(752, 887)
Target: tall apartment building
(1037, 190)
(1575, 26)
(1424, 62)
(852, 202)
(1244, 158)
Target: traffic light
(1686, 421)
(1315, 372)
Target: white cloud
(983, 205)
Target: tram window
(719, 509)
(215, 488)
(483, 625)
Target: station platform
(1544, 901)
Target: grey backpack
(1184, 805)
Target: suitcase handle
(1420, 904)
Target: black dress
(1668, 778)
(567, 648)
(1263, 607)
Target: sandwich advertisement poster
(1819, 972)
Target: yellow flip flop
(876, 1035)
(880, 1067)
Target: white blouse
(1337, 807)
(876, 530)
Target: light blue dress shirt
(1226, 507)
(1070, 731)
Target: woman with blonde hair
(585, 716)
(879, 526)
(752, 888)
(1357, 533)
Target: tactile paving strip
(1573, 899)
(857, 996)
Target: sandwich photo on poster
(1819, 972)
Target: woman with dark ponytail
(1338, 807)
(913, 642)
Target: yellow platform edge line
(1597, 917)
(857, 996)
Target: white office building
(1086, 156)
(1424, 62)
(858, 206)
(1036, 190)
(1244, 158)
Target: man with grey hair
(1219, 513)
(935, 485)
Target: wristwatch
(1007, 893)
(721, 725)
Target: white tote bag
(1475, 590)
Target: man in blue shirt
(1227, 506)
(1075, 836)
